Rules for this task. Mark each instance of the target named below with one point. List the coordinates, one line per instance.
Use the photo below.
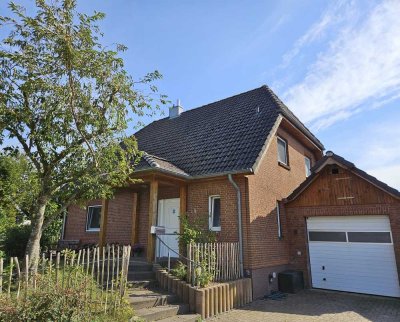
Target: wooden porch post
(152, 219)
(103, 222)
(135, 219)
(182, 211)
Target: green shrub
(195, 231)
(15, 240)
(51, 302)
(203, 275)
(180, 271)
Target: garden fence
(100, 271)
(219, 259)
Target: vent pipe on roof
(175, 110)
(329, 153)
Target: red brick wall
(310, 204)
(119, 220)
(270, 183)
(75, 227)
(120, 211)
(197, 206)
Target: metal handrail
(179, 255)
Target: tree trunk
(33, 245)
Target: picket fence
(104, 269)
(220, 259)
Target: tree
(65, 98)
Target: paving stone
(320, 306)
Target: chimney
(175, 110)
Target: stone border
(208, 301)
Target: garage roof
(330, 158)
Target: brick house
(229, 162)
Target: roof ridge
(223, 99)
(205, 105)
(149, 159)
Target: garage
(343, 229)
(353, 254)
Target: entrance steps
(149, 302)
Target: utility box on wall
(290, 281)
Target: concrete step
(141, 275)
(139, 265)
(183, 318)
(133, 284)
(161, 312)
(145, 299)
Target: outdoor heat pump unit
(290, 281)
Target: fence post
(10, 277)
(26, 273)
(108, 275)
(63, 270)
(18, 273)
(1, 274)
(57, 267)
(169, 262)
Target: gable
(343, 188)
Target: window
(93, 218)
(370, 237)
(307, 162)
(282, 151)
(327, 236)
(215, 213)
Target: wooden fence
(220, 259)
(101, 272)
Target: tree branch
(26, 148)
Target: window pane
(330, 236)
(282, 157)
(216, 212)
(308, 166)
(369, 237)
(94, 214)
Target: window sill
(93, 230)
(215, 229)
(284, 165)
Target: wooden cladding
(343, 188)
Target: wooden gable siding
(344, 188)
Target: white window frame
(308, 170)
(87, 218)
(286, 150)
(211, 212)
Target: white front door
(168, 217)
(353, 254)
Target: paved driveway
(316, 305)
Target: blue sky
(336, 64)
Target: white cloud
(390, 175)
(316, 31)
(379, 155)
(359, 69)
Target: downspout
(239, 213)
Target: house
(231, 163)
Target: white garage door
(353, 254)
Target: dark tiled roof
(222, 137)
(148, 162)
(347, 164)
